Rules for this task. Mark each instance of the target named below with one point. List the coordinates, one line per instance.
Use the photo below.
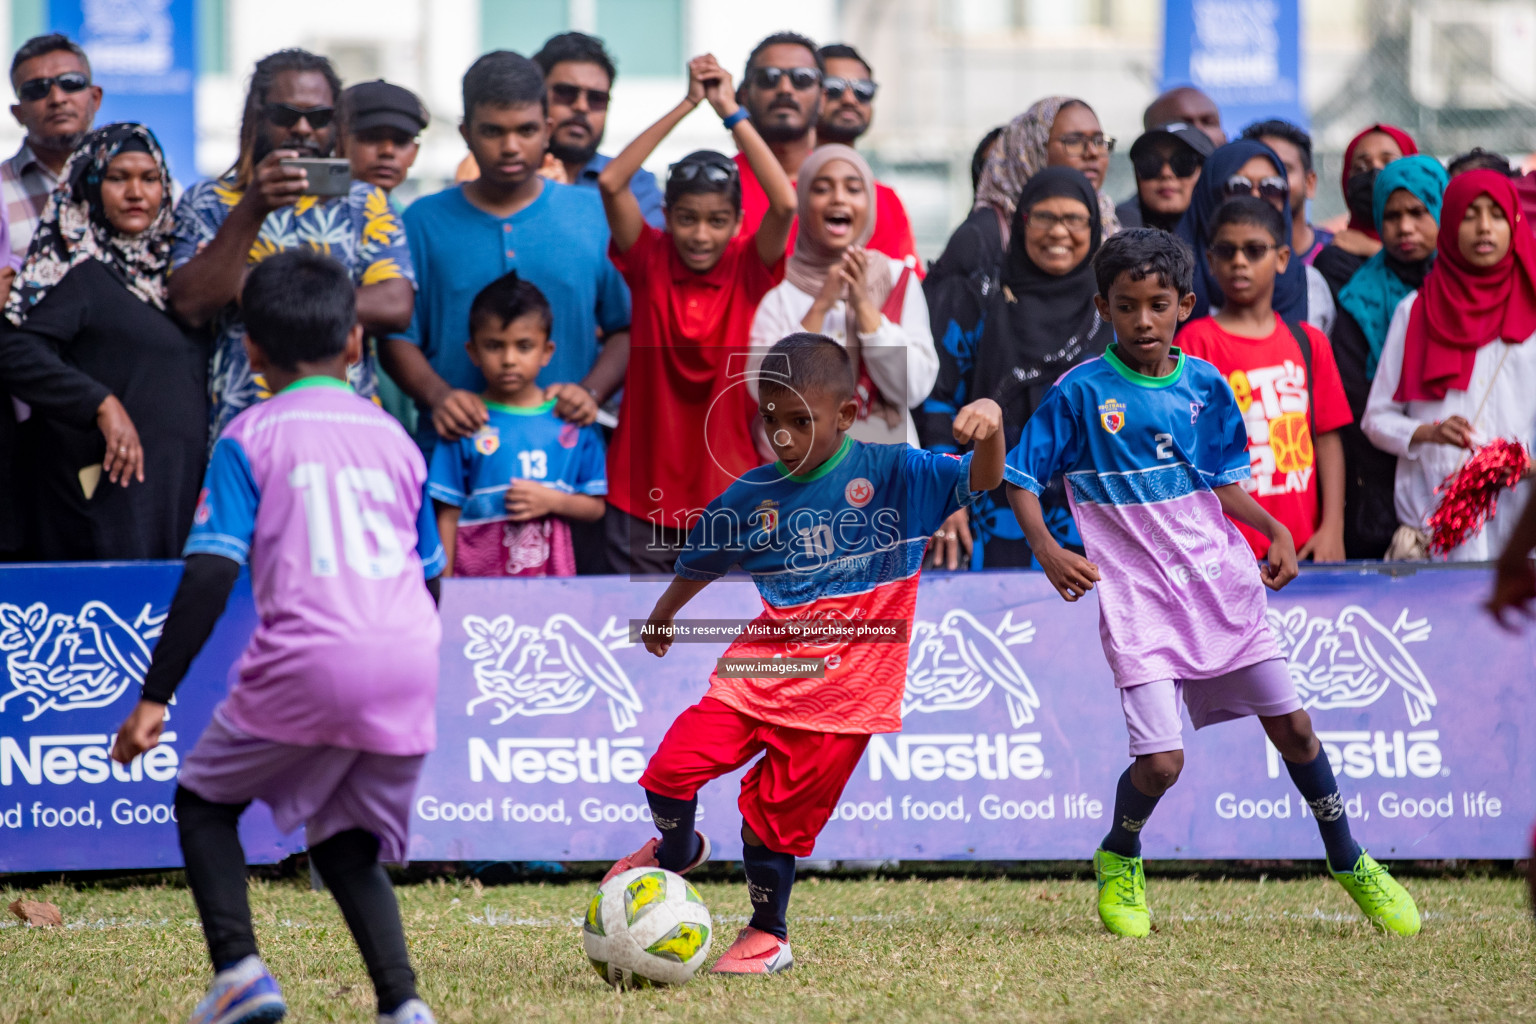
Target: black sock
(349, 864)
(215, 860)
(673, 818)
(770, 876)
(1132, 809)
(1321, 792)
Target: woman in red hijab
(1367, 153)
(1458, 368)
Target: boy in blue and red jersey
(834, 532)
(1154, 452)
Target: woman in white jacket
(1458, 367)
(868, 303)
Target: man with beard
(847, 108)
(259, 207)
(56, 103)
(782, 93)
(579, 76)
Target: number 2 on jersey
(385, 558)
(1164, 446)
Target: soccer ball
(646, 927)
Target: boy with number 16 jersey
(832, 534)
(331, 709)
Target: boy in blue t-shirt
(1153, 449)
(505, 493)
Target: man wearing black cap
(1167, 160)
(383, 124)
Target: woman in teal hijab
(1406, 206)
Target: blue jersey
(842, 543)
(474, 473)
(1180, 595)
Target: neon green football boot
(1385, 902)
(1122, 894)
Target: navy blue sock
(1132, 809)
(770, 876)
(1321, 792)
(674, 820)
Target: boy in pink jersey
(331, 707)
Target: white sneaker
(412, 1011)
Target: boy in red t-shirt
(1292, 402)
(685, 423)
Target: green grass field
(867, 949)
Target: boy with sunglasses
(1167, 161)
(1284, 378)
(684, 430)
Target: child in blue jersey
(1153, 449)
(832, 534)
(505, 493)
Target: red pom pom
(1471, 494)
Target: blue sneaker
(412, 1011)
(243, 994)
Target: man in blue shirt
(579, 75)
(509, 218)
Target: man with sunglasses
(782, 92)
(579, 76)
(1294, 148)
(56, 104)
(1167, 160)
(226, 225)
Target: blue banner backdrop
(1012, 739)
(1244, 54)
(143, 55)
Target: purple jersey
(323, 493)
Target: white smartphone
(328, 176)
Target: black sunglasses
(566, 94)
(1268, 188)
(863, 88)
(1226, 252)
(1184, 162)
(34, 89)
(689, 170)
(285, 116)
(799, 78)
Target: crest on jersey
(487, 440)
(767, 516)
(569, 434)
(1112, 416)
(859, 491)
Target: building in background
(1455, 72)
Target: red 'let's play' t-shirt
(684, 432)
(1269, 379)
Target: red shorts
(786, 798)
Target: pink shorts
(1152, 709)
(329, 790)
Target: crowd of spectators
(570, 341)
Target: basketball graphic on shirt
(859, 491)
(1290, 438)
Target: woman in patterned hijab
(75, 228)
(118, 390)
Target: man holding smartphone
(267, 203)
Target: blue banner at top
(143, 55)
(1244, 54)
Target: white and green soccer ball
(646, 927)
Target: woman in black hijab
(1038, 323)
(119, 388)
